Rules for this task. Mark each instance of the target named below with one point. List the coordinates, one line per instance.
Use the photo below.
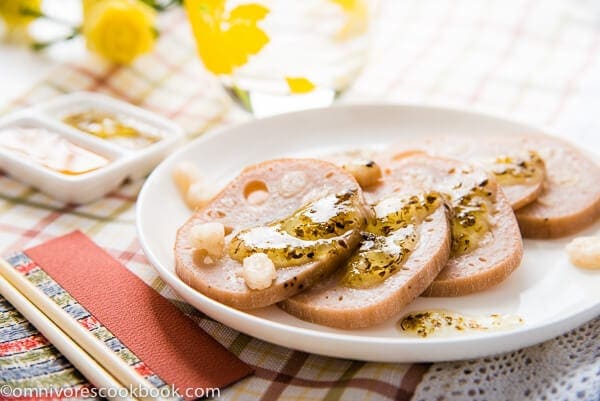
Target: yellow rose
(119, 30)
(11, 11)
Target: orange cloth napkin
(156, 331)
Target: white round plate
(550, 294)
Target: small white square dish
(78, 147)
(83, 110)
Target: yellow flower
(347, 5)
(225, 40)
(119, 30)
(357, 15)
(12, 11)
(299, 85)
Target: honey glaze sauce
(471, 197)
(320, 228)
(388, 239)
(51, 151)
(122, 130)
(439, 323)
(514, 169)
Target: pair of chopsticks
(102, 367)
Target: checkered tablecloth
(537, 61)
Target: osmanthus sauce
(438, 323)
(313, 232)
(518, 168)
(123, 130)
(389, 239)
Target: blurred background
(534, 61)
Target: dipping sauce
(123, 130)
(50, 150)
(443, 323)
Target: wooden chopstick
(80, 337)
(78, 357)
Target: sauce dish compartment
(163, 132)
(142, 160)
(85, 186)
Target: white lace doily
(565, 368)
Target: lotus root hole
(256, 192)
(216, 214)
